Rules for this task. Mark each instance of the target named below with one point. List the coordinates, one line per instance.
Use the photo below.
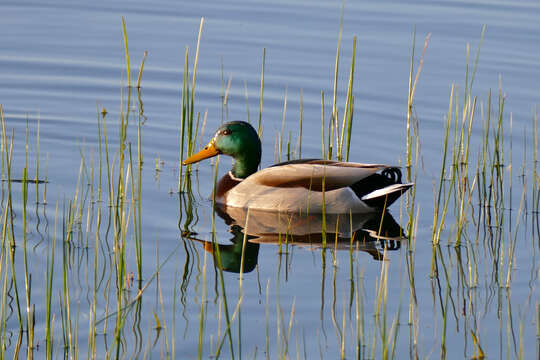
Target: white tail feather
(387, 190)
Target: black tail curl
(393, 174)
(387, 177)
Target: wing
(314, 174)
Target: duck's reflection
(371, 233)
(231, 254)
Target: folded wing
(315, 175)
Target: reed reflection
(371, 233)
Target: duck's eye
(226, 132)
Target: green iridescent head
(237, 139)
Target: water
(63, 62)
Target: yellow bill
(208, 151)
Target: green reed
(260, 125)
(438, 223)
(126, 48)
(339, 135)
(64, 295)
(4, 271)
(280, 135)
(27, 275)
(267, 326)
(202, 312)
(219, 267)
(300, 125)
(187, 112)
(8, 232)
(349, 108)
(240, 283)
(535, 175)
(413, 148)
(333, 125)
(246, 95)
(36, 179)
(139, 77)
(92, 346)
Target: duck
(308, 186)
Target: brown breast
(226, 183)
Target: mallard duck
(300, 186)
